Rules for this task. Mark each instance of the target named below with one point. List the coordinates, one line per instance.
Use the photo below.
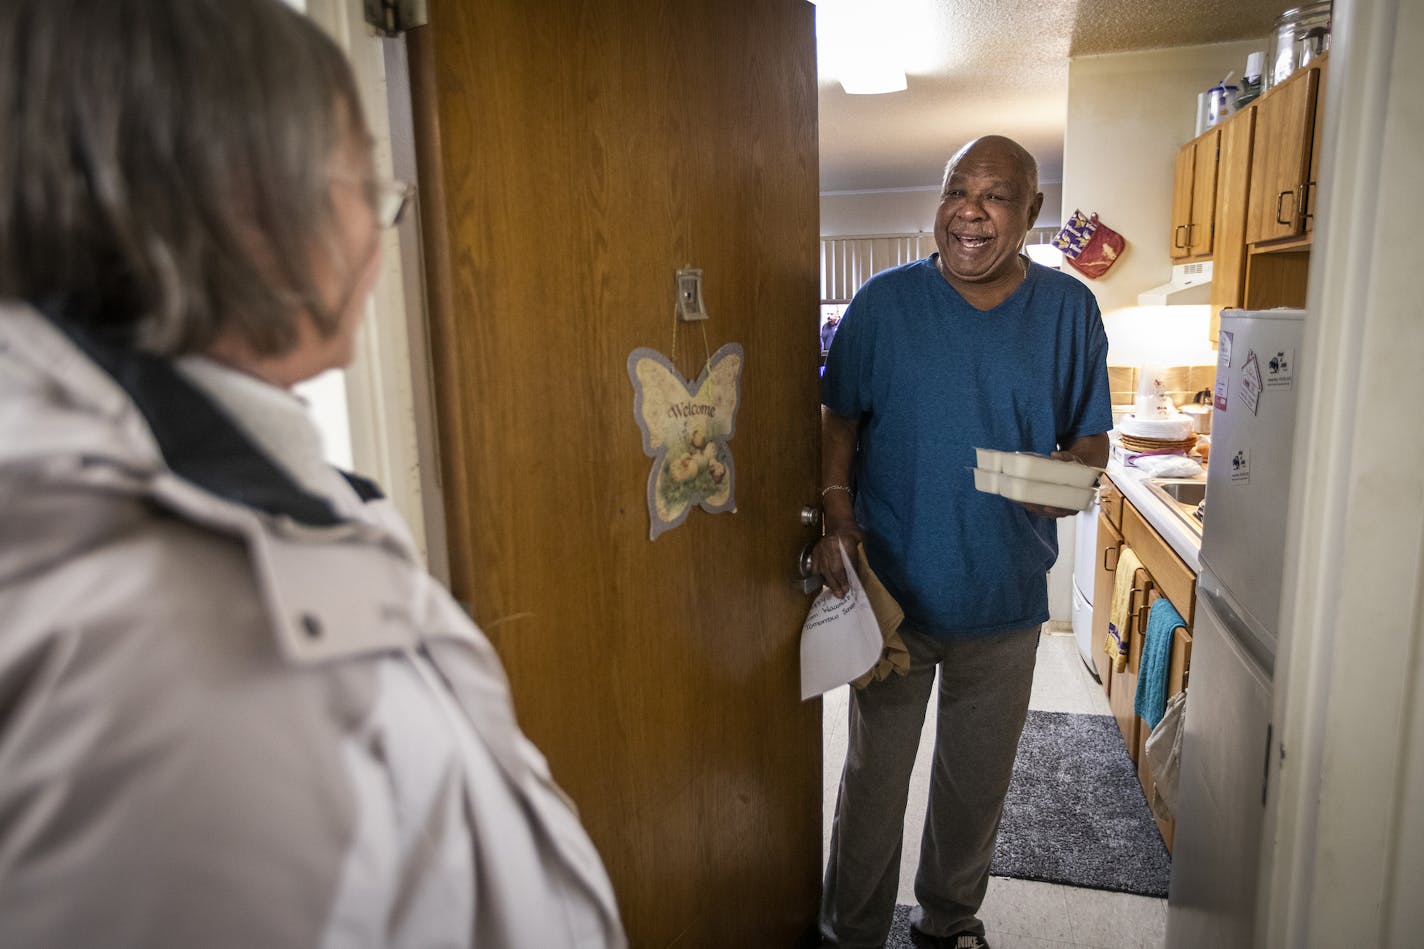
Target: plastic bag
(1164, 756)
(1167, 466)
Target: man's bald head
(996, 146)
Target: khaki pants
(983, 702)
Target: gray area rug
(1076, 813)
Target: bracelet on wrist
(835, 487)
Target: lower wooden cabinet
(1109, 547)
(1123, 693)
(1163, 574)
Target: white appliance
(1225, 748)
(1085, 563)
(1190, 284)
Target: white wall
(1128, 113)
(907, 210)
(1344, 841)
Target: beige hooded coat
(235, 713)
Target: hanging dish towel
(1115, 644)
(1151, 700)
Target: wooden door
(1280, 157)
(573, 156)
(1123, 694)
(1310, 197)
(1228, 272)
(1182, 201)
(1109, 547)
(1204, 175)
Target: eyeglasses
(389, 198)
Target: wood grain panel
(1177, 581)
(1109, 548)
(1280, 157)
(1204, 177)
(1228, 272)
(580, 154)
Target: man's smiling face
(989, 202)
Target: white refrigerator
(1236, 631)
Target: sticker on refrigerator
(1223, 350)
(1280, 369)
(1221, 386)
(1241, 467)
(1252, 383)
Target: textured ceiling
(978, 66)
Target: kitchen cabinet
(1177, 581)
(1123, 692)
(1177, 678)
(1194, 186)
(1281, 159)
(1266, 193)
(1228, 272)
(1162, 574)
(1109, 547)
(1110, 501)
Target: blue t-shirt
(931, 379)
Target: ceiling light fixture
(854, 44)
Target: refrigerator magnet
(1280, 369)
(1223, 349)
(1252, 383)
(1241, 466)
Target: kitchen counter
(1181, 538)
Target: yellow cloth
(1115, 643)
(895, 656)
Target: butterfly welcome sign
(686, 429)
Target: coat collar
(197, 440)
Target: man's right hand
(826, 558)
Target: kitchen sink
(1184, 497)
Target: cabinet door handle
(1280, 198)
(1306, 211)
(1116, 555)
(1191, 240)
(1178, 240)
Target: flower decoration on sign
(685, 431)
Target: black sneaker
(964, 940)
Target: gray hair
(163, 165)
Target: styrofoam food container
(986, 481)
(989, 459)
(1023, 464)
(1070, 497)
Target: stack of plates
(1174, 427)
(1139, 444)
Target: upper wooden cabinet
(1281, 159)
(1194, 197)
(1228, 273)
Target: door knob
(810, 516)
(806, 579)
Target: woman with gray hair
(234, 708)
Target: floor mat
(1076, 813)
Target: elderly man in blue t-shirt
(974, 347)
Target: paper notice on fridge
(1251, 383)
(840, 639)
